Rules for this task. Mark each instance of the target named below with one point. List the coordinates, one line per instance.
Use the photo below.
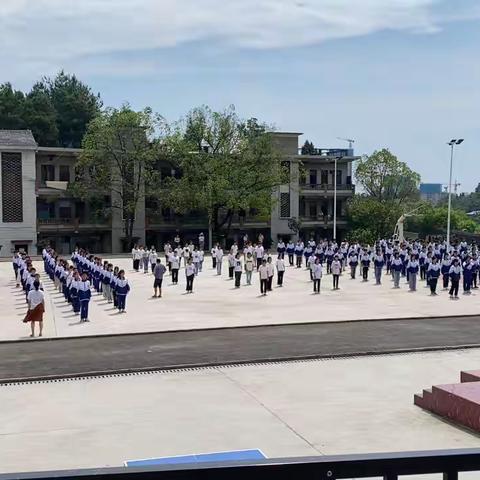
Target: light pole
(335, 199)
(452, 144)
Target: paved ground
(216, 303)
(290, 409)
(221, 346)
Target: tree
(75, 104)
(308, 148)
(226, 166)
(119, 157)
(40, 116)
(12, 104)
(384, 177)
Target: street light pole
(452, 144)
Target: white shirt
(263, 271)
(35, 297)
(280, 265)
(317, 271)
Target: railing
(322, 218)
(328, 152)
(73, 221)
(327, 187)
(389, 466)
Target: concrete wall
(26, 230)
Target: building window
(284, 205)
(313, 210)
(324, 177)
(313, 177)
(339, 177)
(47, 173)
(12, 188)
(64, 173)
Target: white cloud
(54, 32)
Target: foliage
(433, 220)
(371, 219)
(385, 178)
(118, 161)
(57, 110)
(467, 202)
(225, 166)
(308, 148)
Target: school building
(38, 208)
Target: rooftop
(18, 139)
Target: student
(336, 269)
(134, 257)
(201, 257)
(36, 308)
(152, 258)
(280, 264)
(396, 267)
(298, 253)
(423, 267)
(107, 280)
(175, 262)
(475, 271)
(190, 275)
(113, 283)
(378, 262)
(290, 251)
(317, 275)
(122, 288)
(434, 272)
(271, 272)
(158, 273)
(454, 274)
(145, 259)
(281, 249)
(238, 270)
(201, 241)
(137, 256)
(329, 257)
(74, 292)
(231, 264)
(263, 274)
(259, 253)
(219, 257)
(84, 295)
(365, 260)
(249, 267)
(310, 262)
(446, 264)
(412, 269)
(214, 257)
(353, 262)
(468, 269)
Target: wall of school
(19, 233)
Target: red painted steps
(457, 402)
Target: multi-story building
(38, 207)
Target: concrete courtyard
(290, 409)
(216, 303)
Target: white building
(18, 212)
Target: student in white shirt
(263, 274)
(36, 307)
(317, 275)
(249, 268)
(175, 263)
(238, 270)
(219, 257)
(280, 270)
(336, 269)
(190, 274)
(271, 272)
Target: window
(12, 188)
(284, 205)
(48, 173)
(64, 173)
(324, 177)
(65, 212)
(313, 209)
(313, 177)
(339, 177)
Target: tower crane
(350, 141)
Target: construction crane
(454, 185)
(398, 233)
(350, 141)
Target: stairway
(457, 402)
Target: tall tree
(226, 166)
(40, 116)
(384, 177)
(12, 103)
(119, 157)
(76, 106)
(308, 148)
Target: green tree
(12, 104)
(308, 148)
(75, 104)
(226, 166)
(40, 116)
(384, 177)
(120, 151)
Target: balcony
(71, 224)
(328, 152)
(321, 220)
(327, 189)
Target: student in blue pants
(122, 288)
(84, 295)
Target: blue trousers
(84, 309)
(75, 303)
(121, 300)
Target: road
(40, 359)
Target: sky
(397, 74)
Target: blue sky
(402, 74)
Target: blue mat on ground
(234, 455)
